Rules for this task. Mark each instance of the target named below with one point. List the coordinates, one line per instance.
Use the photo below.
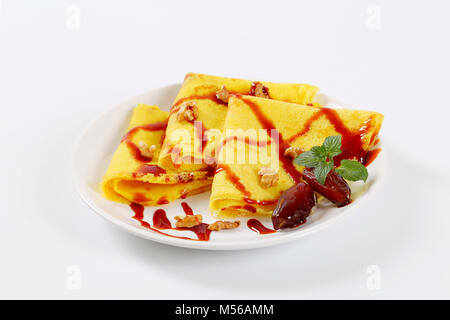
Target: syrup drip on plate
(257, 226)
(161, 222)
(187, 209)
(139, 216)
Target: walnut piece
(292, 152)
(259, 90)
(188, 112)
(223, 94)
(220, 225)
(147, 151)
(269, 177)
(188, 221)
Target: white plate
(98, 142)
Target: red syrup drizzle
(272, 131)
(246, 207)
(377, 141)
(199, 128)
(234, 179)
(160, 221)
(149, 169)
(184, 194)
(210, 170)
(352, 144)
(201, 230)
(127, 139)
(213, 97)
(157, 126)
(245, 139)
(250, 208)
(136, 153)
(258, 227)
(306, 127)
(139, 216)
(139, 197)
(210, 96)
(198, 125)
(371, 156)
(187, 209)
(162, 201)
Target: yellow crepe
(182, 149)
(237, 188)
(128, 179)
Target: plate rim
(265, 240)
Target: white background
(58, 72)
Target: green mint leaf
(321, 171)
(320, 152)
(308, 159)
(352, 170)
(321, 159)
(333, 154)
(332, 145)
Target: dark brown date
(335, 189)
(294, 206)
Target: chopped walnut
(188, 221)
(259, 90)
(292, 152)
(188, 112)
(185, 176)
(147, 151)
(223, 94)
(269, 177)
(220, 225)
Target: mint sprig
(321, 159)
(352, 170)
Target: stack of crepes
(162, 157)
(134, 177)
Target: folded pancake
(134, 175)
(237, 188)
(190, 146)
